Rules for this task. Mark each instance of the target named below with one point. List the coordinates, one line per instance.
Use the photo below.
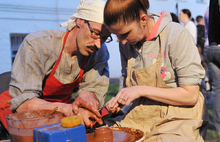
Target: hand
(116, 108)
(88, 101)
(38, 104)
(88, 117)
(124, 97)
(66, 109)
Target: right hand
(79, 102)
(88, 117)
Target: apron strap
(58, 61)
(129, 78)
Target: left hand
(88, 101)
(117, 107)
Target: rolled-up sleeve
(27, 74)
(186, 60)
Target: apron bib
(161, 122)
(53, 90)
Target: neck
(186, 21)
(70, 48)
(150, 26)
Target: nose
(123, 41)
(98, 43)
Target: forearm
(173, 96)
(38, 104)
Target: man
(200, 32)
(214, 22)
(50, 65)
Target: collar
(153, 33)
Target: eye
(123, 36)
(97, 33)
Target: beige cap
(91, 10)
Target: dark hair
(192, 19)
(174, 17)
(187, 11)
(198, 18)
(124, 11)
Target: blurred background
(21, 17)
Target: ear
(79, 22)
(143, 19)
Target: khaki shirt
(35, 59)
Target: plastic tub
(21, 125)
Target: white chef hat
(91, 10)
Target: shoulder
(38, 41)
(191, 24)
(102, 53)
(103, 50)
(44, 34)
(173, 29)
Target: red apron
(53, 90)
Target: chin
(132, 43)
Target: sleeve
(27, 73)
(185, 60)
(96, 79)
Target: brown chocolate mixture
(19, 138)
(108, 135)
(138, 134)
(29, 120)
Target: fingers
(75, 107)
(122, 100)
(88, 118)
(109, 105)
(92, 109)
(79, 102)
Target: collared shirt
(35, 59)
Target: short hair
(198, 18)
(174, 17)
(124, 11)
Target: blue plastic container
(57, 133)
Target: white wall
(26, 16)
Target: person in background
(185, 17)
(162, 77)
(51, 65)
(200, 32)
(211, 56)
(206, 22)
(204, 87)
(214, 22)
